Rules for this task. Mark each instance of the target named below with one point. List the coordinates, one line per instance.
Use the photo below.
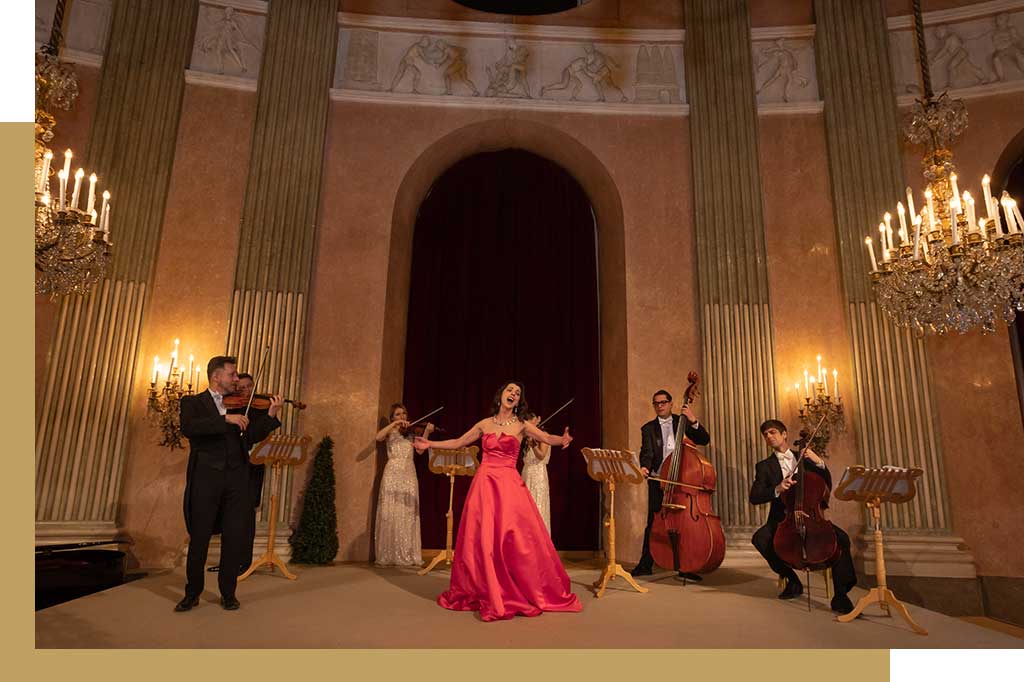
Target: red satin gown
(505, 564)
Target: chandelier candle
(79, 174)
(45, 176)
(874, 263)
(92, 196)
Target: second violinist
(773, 477)
(397, 535)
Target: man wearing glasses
(658, 444)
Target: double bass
(686, 534)
(805, 539)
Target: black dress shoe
(692, 577)
(186, 604)
(793, 589)
(841, 604)
(229, 603)
(641, 570)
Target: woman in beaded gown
(504, 564)
(397, 535)
(536, 456)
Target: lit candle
(931, 220)
(953, 227)
(956, 190)
(885, 251)
(191, 359)
(92, 194)
(46, 198)
(814, 388)
(92, 217)
(982, 229)
(62, 179)
(1017, 219)
(819, 365)
(917, 237)
(105, 221)
(985, 182)
(195, 385)
(903, 216)
(835, 382)
(972, 219)
(156, 366)
(807, 386)
(928, 199)
(910, 201)
(67, 163)
(824, 380)
(888, 228)
(79, 174)
(871, 250)
(44, 179)
(1011, 223)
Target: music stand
(278, 450)
(609, 467)
(873, 487)
(452, 463)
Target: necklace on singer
(513, 420)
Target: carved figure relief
(656, 81)
(507, 77)
(1008, 48)
(361, 60)
(954, 60)
(594, 66)
(778, 64)
(226, 39)
(420, 54)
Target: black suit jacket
(652, 447)
(215, 442)
(768, 474)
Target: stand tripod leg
(447, 554)
(277, 561)
(872, 597)
(891, 600)
(620, 571)
(264, 559)
(441, 556)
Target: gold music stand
(608, 467)
(873, 487)
(459, 462)
(277, 451)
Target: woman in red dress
(505, 564)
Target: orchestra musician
(657, 446)
(218, 478)
(774, 476)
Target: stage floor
(359, 606)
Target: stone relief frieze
(228, 42)
(784, 71)
(86, 24)
(980, 51)
(507, 67)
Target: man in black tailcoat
(217, 481)
(658, 445)
(774, 476)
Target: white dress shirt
(218, 400)
(668, 438)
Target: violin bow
(256, 381)
(556, 412)
(426, 415)
(807, 445)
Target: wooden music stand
(608, 467)
(459, 462)
(873, 487)
(278, 450)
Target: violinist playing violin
(773, 477)
(246, 384)
(657, 446)
(217, 480)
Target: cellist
(774, 476)
(657, 445)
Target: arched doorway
(504, 285)
(1015, 186)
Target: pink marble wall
(189, 300)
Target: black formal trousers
(651, 451)
(223, 494)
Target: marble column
(82, 421)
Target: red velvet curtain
(504, 286)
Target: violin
(418, 429)
(686, 534)
(805, 538)
(260, 401)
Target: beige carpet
(358, 606)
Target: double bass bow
(686, 534)
(805, 539)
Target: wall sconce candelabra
(820, 402)
(164, 402)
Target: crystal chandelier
(956, 265)
(72, 231)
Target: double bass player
(773, 477)
(657, 446)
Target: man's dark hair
(661, 392)
(244, 375)
(773, 424)
(218, 362)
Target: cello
(805, 539)
(686, 534)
